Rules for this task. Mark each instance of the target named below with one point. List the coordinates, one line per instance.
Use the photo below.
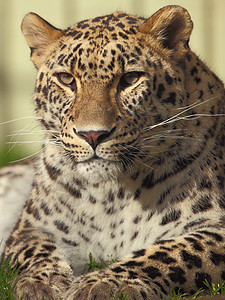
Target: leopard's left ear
(40, 36)
(171, 26)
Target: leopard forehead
(116, 23)
(100, 45)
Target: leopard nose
(94, 138)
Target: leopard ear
(171, 26)
(40, 36)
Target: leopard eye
(67, 79)
(129, 79)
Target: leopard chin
(99, 169)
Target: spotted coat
(132, 164)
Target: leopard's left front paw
(88, 291)
(100, 286)
(91, 286)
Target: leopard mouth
(97, 159)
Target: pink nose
(94, 137)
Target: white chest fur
(105, 225)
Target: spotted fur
(132, 164)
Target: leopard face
(108, 93)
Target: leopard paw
(53, 287)
(30, 289)
(89, 291)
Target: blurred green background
(19, 133)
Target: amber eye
(129, 79)
(67, 79)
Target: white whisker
(178, 116)
(23, 142)
(27, 157)
(28, 132)
(18, 119)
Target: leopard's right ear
(40, 36)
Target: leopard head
(107, 88)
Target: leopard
(132, 162)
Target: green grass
(211, 290)
(216, 290)
(121, 296)
(94, 266)
(8, 279)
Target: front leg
(43, 270)
(153, 273)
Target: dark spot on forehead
(132, 20)
(121, 25)
(120, 22)
(124, 36)
(120, 47)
